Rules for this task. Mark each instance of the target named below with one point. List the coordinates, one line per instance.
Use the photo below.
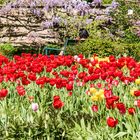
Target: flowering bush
(69, 97)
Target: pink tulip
(35, 106)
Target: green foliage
(103, 1)
(53, 46)
(7, 49)
(104, 47)
(3, 1)
(107, 1)
(124, 23)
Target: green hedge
(104, 47)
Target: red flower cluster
(43, 70)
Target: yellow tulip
(97, 66)
(94, 98)
(100, 97)
(93, 90)
(97, 93)
(107, 59)
(137, 81)
(101, 91)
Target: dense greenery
(104, 47)
(117, 37)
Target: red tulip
(103, 76)
(111, 122)
(110, 102)
(121, 107)
(57, 103)
(25, 81)
(69, 87)
(1, 78)
(99, 85)
(48, 69)
(56, 97)
(3, 93)
(137, 93)
(20, 90)
(112, 58)
(94, 108)
(108, 93)
(81, 75)
(41, 81)
(131, 111)
(115, 82)
(32, 76)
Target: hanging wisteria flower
(97, 1)
(114, 4)
(35, 106)
(47, 24)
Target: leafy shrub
(124, 23)
(104, 47)
(7, 49)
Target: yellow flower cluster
(137, 81)
(96, 95)
(99, 59)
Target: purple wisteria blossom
(88, 21)
(97, 1)
(114, 4)
(47, 24)
(83, 8)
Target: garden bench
(56, 51)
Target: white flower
(78, 59)
(135, 103)
(130, 12)
(75, 57)
(35, 106)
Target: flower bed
(69, 97)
